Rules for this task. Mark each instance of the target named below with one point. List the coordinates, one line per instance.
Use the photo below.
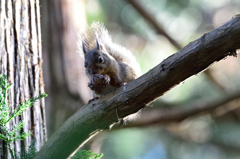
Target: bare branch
(130, 98)
(150, 18)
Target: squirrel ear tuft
(84, 48)
(97, 45)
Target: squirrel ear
(84, 48)
(97, 47)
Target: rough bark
(191, 60)
(20, 60)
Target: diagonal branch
(160, 30)
(150, 18)
(98, 115)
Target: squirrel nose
(94, 72)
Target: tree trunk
(21, 61)
(64, 74)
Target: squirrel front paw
(105, 81)
(98, 82)
(91, 86)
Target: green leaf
(23, 106)
(86, 154)
(3, 137)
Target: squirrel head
(96, 61)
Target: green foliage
(84, 154)
(4, 107)
(29, 153)
(9, 135)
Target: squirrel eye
(100, 60)
(85, 64)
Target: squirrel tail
(97, 32)
(90, 34)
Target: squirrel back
(106, 58)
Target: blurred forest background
(161, 29)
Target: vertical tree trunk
(66, 82)
(21, 61)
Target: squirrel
(108, 65)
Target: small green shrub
(13, 134)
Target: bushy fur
(118, 63)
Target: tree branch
(130, 98)
(157, 115)
(158, 27)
